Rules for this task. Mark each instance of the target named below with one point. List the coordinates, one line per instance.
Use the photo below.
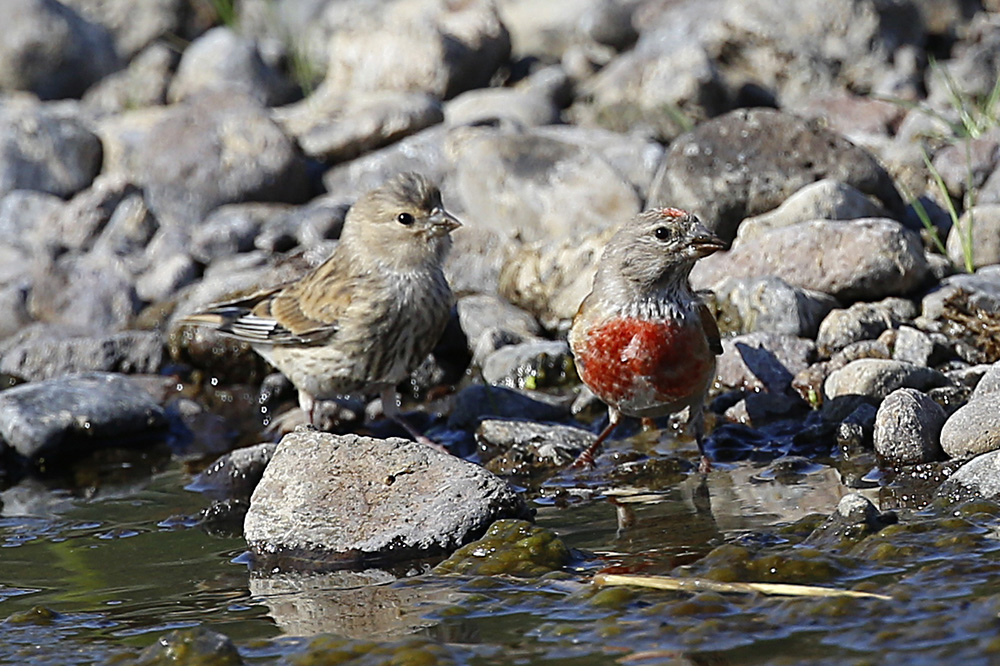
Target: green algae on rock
(513, 547)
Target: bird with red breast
(366, 317)
(643, 341)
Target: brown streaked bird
(643, 341)
(365, 318)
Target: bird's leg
(696, 426)
(586, 459)
(308, 405)
(390, 407)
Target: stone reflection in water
(360, 605)
(745, 489)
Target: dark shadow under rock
(328, 501)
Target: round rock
(61, 417)
(852, 260)
(826, 199)
(908, 427)
(747, 162)
(877, 378)
(974, 428)
(328, 500)
(979, 477)
(978, 234)
(990, 382)
(535, 187)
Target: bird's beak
(443, 222)
(705, 243)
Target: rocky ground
(157, 156)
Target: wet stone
(855, 518)
(530, 365)
(974, 428)
(58, 418)
(979, 477)
(509, 547)
(328, 501)
(658, 472)
(235, 474)
(477, 402)
(515, 447)
(908, 428)
(856, 432)
(197, 646)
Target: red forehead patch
(671, 212)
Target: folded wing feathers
(241, 323)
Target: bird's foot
(584, 460)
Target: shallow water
(120, 563)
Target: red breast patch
(625, 353)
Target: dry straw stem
(700, 584)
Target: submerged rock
(328, 501)
(197, 646)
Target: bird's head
(404, 219)
(657, 249)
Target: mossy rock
(513, 547)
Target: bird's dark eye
(405, 219)
(662, 233)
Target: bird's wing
(298, 313)
(711, 327)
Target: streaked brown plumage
(368, 315)
(643, 341)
